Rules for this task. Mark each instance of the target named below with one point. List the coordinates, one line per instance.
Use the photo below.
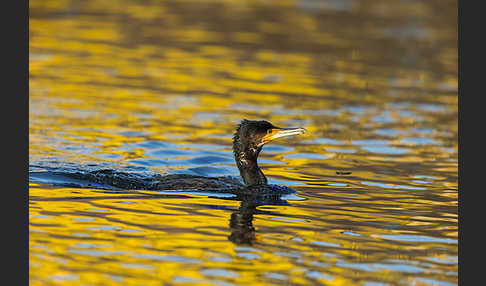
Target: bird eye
(269, 131)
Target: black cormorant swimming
(249, 138)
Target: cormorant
(248, 140)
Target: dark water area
(155, 88)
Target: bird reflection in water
(241, 221)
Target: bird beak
(282, 132)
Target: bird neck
(246, 161)
(252, 175)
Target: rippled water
(151, 87)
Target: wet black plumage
(248, 140)
(246, 149)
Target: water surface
(157, 87)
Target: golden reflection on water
(158, 87)
(150, 237)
